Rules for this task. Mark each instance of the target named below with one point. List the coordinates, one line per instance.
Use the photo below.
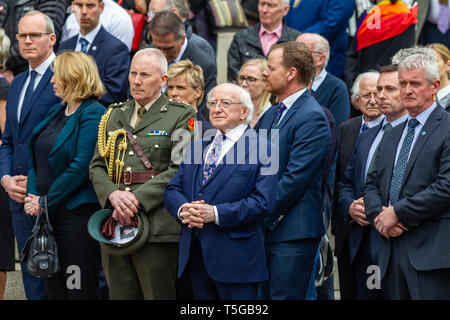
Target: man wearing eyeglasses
(221, 201)
(30, 96)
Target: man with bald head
(221, 201)
(149, 120)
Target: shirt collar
(235, 133)
(91, 35)
(319, 79)
(289, 101)
(423, 116)
(148, 105)
(373, 122)
(277, 31)
(42, 68)
(183, 48)
(397, 121)
(443, 92)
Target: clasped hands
(125, 206)
(197, 213)
(386, 223)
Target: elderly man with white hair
(407, 194)
(220, 196)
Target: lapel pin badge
(423, 133)
(94, 48)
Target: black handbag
(40, 253)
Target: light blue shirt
(378, 138)
(422, 118)
(319, 79)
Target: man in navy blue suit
(296, 225)
(110, 54)
(222, 199)
(364, 240)
(29, 98)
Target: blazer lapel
(367, 145)
(36, 93)
(69, 127)
(295, 106)
(14, 100)
(97, 43)
(153, 114)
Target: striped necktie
(84, 44)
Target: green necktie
(141, 112)
(386, 128)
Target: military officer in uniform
(130, 169)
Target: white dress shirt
(114, 19)
(89, 37)
(289, 101)
(40, 70)
(372, 123)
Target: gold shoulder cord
(106, 148)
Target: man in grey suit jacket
(407, 194)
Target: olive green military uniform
(150, 271)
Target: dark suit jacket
(424, 198)
(304, 140)
(348, 133)
(233, 251)
(70, 156)
(16, 138)
(113, 62)
(351, 186)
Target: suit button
(156, 146)
(134, 136)
(200, 193)
(20, 166)
(131, 153)
(127, 189)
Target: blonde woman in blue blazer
(61, 148)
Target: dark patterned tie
(402, 161)
(364, 127)
(386, 128)
(279, 113)
(29, 91)
(84, 44)
(212, 158)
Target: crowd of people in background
(333, 126)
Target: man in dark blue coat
(221, 200)
(295, 227)
(364, 240)
(110, 54)
(30, 97)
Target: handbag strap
(43, 211)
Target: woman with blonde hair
(185, 83)
(6, 227)
(61, 149)
(442, 54)
(251, 78)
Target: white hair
(161, 60)
(244, 97)
(355, 88)
(425, 62)
(402, 54)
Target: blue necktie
(28, 92)
(84, 44)
(280, 110)
(402, 161)
(364, 127)
(212, 158)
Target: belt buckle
(125, 182)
